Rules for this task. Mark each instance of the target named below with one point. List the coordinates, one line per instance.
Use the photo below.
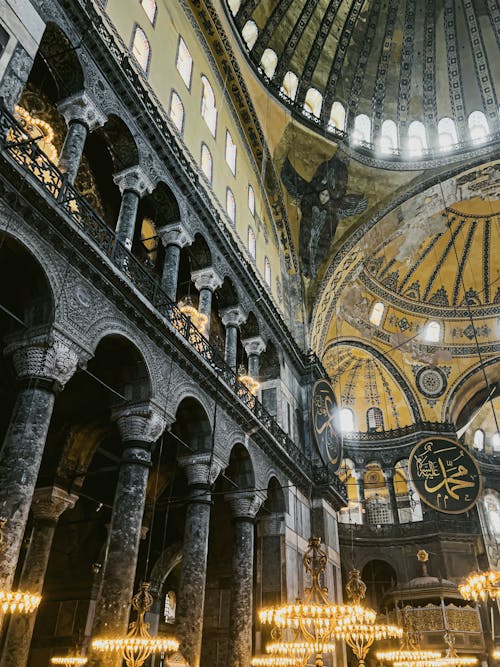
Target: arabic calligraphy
(324, 416)
(445, 475)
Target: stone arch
(240, 471)
(379, 576)
(227, 294)
(189, 389)
(192, 425)
(120, 142)
(467, 393)
(200, 253)
(251, 327)
(168, 559)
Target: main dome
(404, 78)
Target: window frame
(209, 178)
(232, 219)
(135, 28)
(213, 132)
(153, 21)
(181, 129)
(188, 85)
(230, 145)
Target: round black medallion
(431, 382)
(325, 424)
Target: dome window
(388, 137)
(206, 162)
(231, 205)
(234, 6)
(495, 442)
(478, 441)
(184, 62)
(140, 48)
(417, 138)
(313, 102)
(250, 33)
(337, 117)
(447, 134)
(362, 130)
(377, 314)
(374, 420)
(177, 111)
(268, 62)
(478, 127)
(432, 332)
(208, 107)
(252, 243)
(346, 420)
(290, 85)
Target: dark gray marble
(205, 307)
(125, 226)
(254, 365)
(241, 614)
(231, 349)
(72, 150)
(171, 270)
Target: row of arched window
(432, 329)
(374, 420)
(480, 440)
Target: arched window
(313, 102)
(252, 243)
(231, 205)
(206, 162)
(170, 607)
(346, 419)
(268, 62)
(374, 420)
(478, 127)
(377, 313)
(432, 331)
(234, 6)
(362, 129)
(417, 138)
(150, 8)
(492, 511)
(251, 200)
(267, 271)
(250, 33)
(495, 442)
(290, 84)
(447, 134)
(208, 106)
(388, 141)
(337, 117)
(184, 62)
(478, 439)
(140, 48)
(177, 111)
(230, 153)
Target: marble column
(254, 347)
(201, 471)
(48, 505)
(360, 476)
(43, 366)
(389, 478)
(206, 282)
(174, 237)
(232, 318)
(133, 183)
(140, 426)
(82, 116)
(244, 507)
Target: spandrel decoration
(325, 424)
(446, 476)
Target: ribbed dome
(389, 64)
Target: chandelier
(496, 654)
(481, 586)
(451, 659)
(272, 661)
(138, 645)
(69, 660)
(16, 602)
(198, 319)
(248, 381)
(409, 649)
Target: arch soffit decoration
(467, 385)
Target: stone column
(43, 366)
(133, 184)
(174, 237)
(140, 427)
(254, 347)
(201, 471)
(206, 282)
(82, 116)
(389, 478)
(48, 505)
(360, 476)
(232, 318)
(244, 507)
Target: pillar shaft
(254, 365)
(127, 217)
(170, 274)
(191, 599)
(231, 348)
(20, 460)
(241, 610)
(393, 499)
(205, 307)
(72, 150)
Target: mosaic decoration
(445, 475)
(325, 425)
(431, 382)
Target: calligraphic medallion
(445, 475)
(324, 424)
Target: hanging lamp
(15, 602)
(199, 320)
(481, 586)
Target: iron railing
(27, 155)
(429, 526)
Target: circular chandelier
(248, 381)
(272, 661)
(138, 645)
(481, 586)
(451, 659)
(199, 320)
(69, 660)
(409, 649)
(16, 602)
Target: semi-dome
(404, 79)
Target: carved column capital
(233, 316)
(45, 356)
(201, 469)
(81, 108)
(175, 233)
(245, 505)
(135, 179)
(255, 345)
(141, 422)
(207, 278)
(50, 502)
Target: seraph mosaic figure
(323, 201)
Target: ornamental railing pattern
(24, 150)
(429, 526)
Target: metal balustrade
(29, 157)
